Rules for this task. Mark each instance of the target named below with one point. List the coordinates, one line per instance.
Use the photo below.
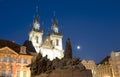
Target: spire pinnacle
(54, 20)
(36, 23)
(54, 25)
(37, 16)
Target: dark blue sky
(92, 24)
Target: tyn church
(52, 44)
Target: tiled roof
(12, 45)
(106, 59)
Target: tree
(68, 49)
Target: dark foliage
(68, 49)
(44, 65)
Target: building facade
(115, 63)
(52, 44)
(103, 69)
(14, 60)
(91, 66)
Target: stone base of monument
(67, 73)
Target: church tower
(35, 35)
(56, 36)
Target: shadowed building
(14, 60)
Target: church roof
(36, 16)
(53, 33)
(55, 22)
(12, 45)
(37, 30)
(29, 46)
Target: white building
(51, 45)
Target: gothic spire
(54, 22)
(36, 23)
(54, 25)
(36, 16)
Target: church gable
(7, 50)
(47, 43)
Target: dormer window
(23, 49)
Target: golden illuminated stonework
(14, 60)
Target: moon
(78, 47)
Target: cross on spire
(36, 16)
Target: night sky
(92, 24)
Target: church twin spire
(51, 44)
(36, 23)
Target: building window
(25, 61)
(18, 73)
(57, 42)
(3, 72)
(19, 60)
(10, 60)
(9, 73)
(4, 59)
(51, 42)
(24, 73)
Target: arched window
(57, 42)
(51, 42)
(36, 38)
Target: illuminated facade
(14, 60)
(115, 63)
(103, 69)
(90, 65)
(51, 45)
